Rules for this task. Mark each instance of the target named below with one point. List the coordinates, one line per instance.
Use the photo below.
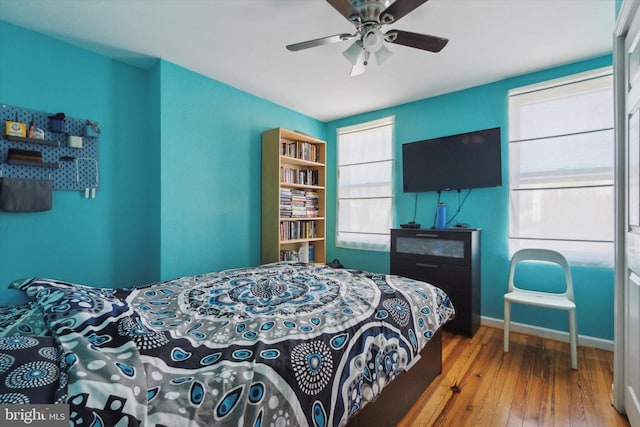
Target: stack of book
(298, 204)
(311, 204)
(285, 203)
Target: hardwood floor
(532, 385)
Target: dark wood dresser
(449, 259)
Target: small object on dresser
(441, 217)
(410, 224)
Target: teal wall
(180, 176)
(102, 241)
(211, 171)
(471, 109)
(179, 169)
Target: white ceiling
(242, 43)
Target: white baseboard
(548, 333)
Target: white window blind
(561, 167)
(365, 185)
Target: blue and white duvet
(282, 344)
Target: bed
(283, 344)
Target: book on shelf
(292, 230)
(311, 204)
(306, 253)
(298, 203)
(299, 176)
(312, 253)
(299, 150)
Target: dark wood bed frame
(398, 397)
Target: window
(561, 167)
(365, 185)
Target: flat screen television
(455, 162)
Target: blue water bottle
(441, 216)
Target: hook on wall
(90, 188)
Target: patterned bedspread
(281, 344)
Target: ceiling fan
(369, 16)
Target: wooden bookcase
(293, 197)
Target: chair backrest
(546, 255)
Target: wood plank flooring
(532, 385)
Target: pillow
(67, 306)
(29, 370)
(25, 319)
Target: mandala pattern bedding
(284, 344)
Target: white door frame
(626, 15)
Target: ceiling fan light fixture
(373, 40)
(383, 54)
(353, 52)
(361, 65)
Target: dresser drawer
(427, 245)
(448, 277)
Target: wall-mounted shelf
(68, 168)
(36, 164)
(33, 140)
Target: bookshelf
(293, 197)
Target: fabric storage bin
(57, 122)
(25, 195)
(56, 125)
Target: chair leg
(507, 320)
(573, 338)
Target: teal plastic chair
(561, 301)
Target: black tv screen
(455, 162)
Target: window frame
(601, 253)
(358, 244)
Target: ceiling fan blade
(416, 40)
(320, 42)
(346, 9)
(398, 9)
